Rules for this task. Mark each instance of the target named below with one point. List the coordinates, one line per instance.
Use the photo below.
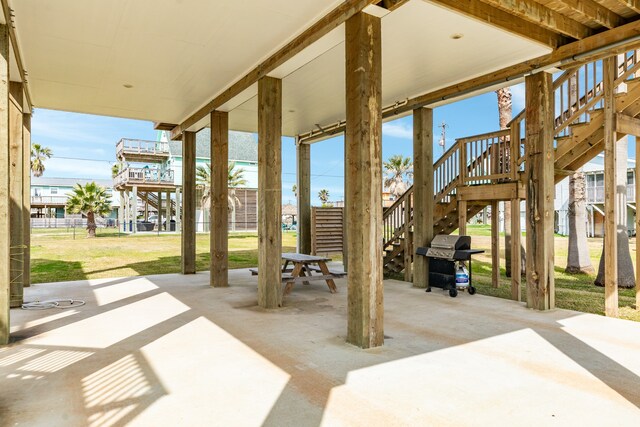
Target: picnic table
(302, 268)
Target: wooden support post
(610, 203)
(423, 191)
(514, 150)
(540, 191)
(134, 209)
(5, 201)
(495, 244)
(146, 207)
(159, 218)
(15, 191)
(219, 227)
(303, 184)
(345, 231)
(26, 198)
(462, 217)
(363, 141)
(516, 251)
(167, 214)
(637, 181)
(121, 213)
(188, 239)
(178, 209)
(407, 241)
(269, 192)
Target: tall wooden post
(188, 238)
(5, 201)
(269, 192)
(540, 191)
(15, 190)
(178, 209)
(363, 141)
(303, 184)
(219, 228)
(637, 181)
(26, 198)
(462, 217)
(611, 207)
(121, 213)
(134, 209)
(159, 218)
(167, 209)
(423, 191)
(495, 244)
(516, 250)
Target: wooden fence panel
(326, 230)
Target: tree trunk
(91, 224)
(626, 276)
(578, 260)
(505, 115)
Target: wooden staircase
(152, 199)
(486, 161)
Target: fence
(326, 230)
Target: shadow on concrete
(113, 384)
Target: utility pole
(443, 135)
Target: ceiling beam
(631, 4)
(391, 5)
(595, 12)
(536, 13)
(607, 43)
(506, 21)
(330, 21)
(8, 16)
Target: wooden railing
(484, 159)
(138, 176)
(499, 156)
(139, 146)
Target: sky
(84, 145)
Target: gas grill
(444, 252)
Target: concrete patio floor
(168, 350)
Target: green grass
(58, 257)
(573, 291)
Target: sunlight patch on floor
(111, 393)
(22, 354)
(434, 388)
(55, 360)
(43, 320)
(200, 356)
(106, 329)
(111, 293)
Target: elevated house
(149, 180)
(49, 197)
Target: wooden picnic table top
(294, 257)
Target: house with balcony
(49, 198)
(595, 192)
(149, 181)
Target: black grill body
(443, 253)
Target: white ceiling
(79, 54)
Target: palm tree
(294, 190)
(235, 179)
(323, 195)
(38, 155)
(578, 260)
(90, 200)
(399, 171)
(116, 168)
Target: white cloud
(397, 130)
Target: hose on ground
(53, 303)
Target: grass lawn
(575, 292)
(57, 256)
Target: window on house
(629, 177)
(53, 190)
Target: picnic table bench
(302, 267)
